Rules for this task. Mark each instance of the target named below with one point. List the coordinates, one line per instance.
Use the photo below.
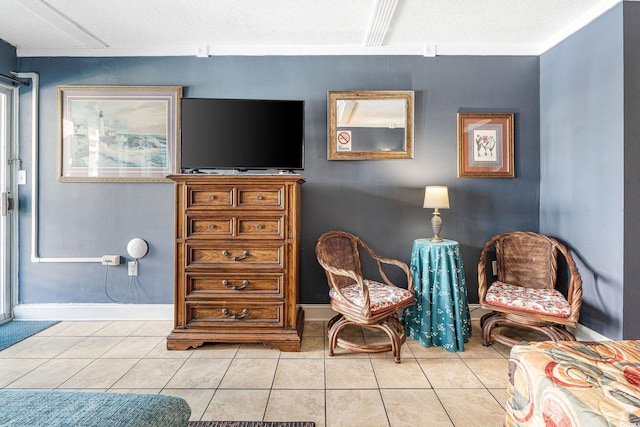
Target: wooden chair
(360, 301)
(525, 293)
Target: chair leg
(334, 326)
(397, 334)
(485, 317)
(491, 320)
(391, 326)
(487, 322)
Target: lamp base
(436, 225)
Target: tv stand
(204, 171)
(237, 260)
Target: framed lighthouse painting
(118, 133)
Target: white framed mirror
(370, 124)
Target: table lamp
(436, 197)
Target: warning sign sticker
(344, 140)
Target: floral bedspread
(572, 383)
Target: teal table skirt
(440, 316)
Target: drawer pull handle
(225, 312)
(259, 226)
(235, 258)
(260, 197)
(212, 197)
(226, 284)
(212, 226)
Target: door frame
(9, 166)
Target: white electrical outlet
(133, 268)
(22, 177)
(110, 259)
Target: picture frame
(118, 133)
(370, 124)
(485, 145)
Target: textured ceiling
(291, 27)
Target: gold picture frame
(370, 124)
(118, 133)
(485, 145)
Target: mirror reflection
(370, 125)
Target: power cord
(132, 281)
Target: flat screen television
(241, 134)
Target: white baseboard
(314, 312)
(93, 311)
(317, 312)
(582, 333)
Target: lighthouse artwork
(119, 136)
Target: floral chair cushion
(540, 301)
(382, 296)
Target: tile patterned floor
(431, 387)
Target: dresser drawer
(208, 196)
(261, 227)
(209, 227)
(234, 256)
(225, 226)
(240, 197)
(261, 197)
(235, 314)
(203, 285)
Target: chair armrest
(389, 261)
(366, 309)
(403, 266)
(574, 292)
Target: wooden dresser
(237, 260)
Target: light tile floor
(431, 387)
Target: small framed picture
(118, 133)
(485, 145)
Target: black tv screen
(242, 134)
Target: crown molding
(287, 50)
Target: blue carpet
(17, 330)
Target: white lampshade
(436, 196)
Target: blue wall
(589, 157)
(378, 200)
(631, 299)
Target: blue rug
(17, 330)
